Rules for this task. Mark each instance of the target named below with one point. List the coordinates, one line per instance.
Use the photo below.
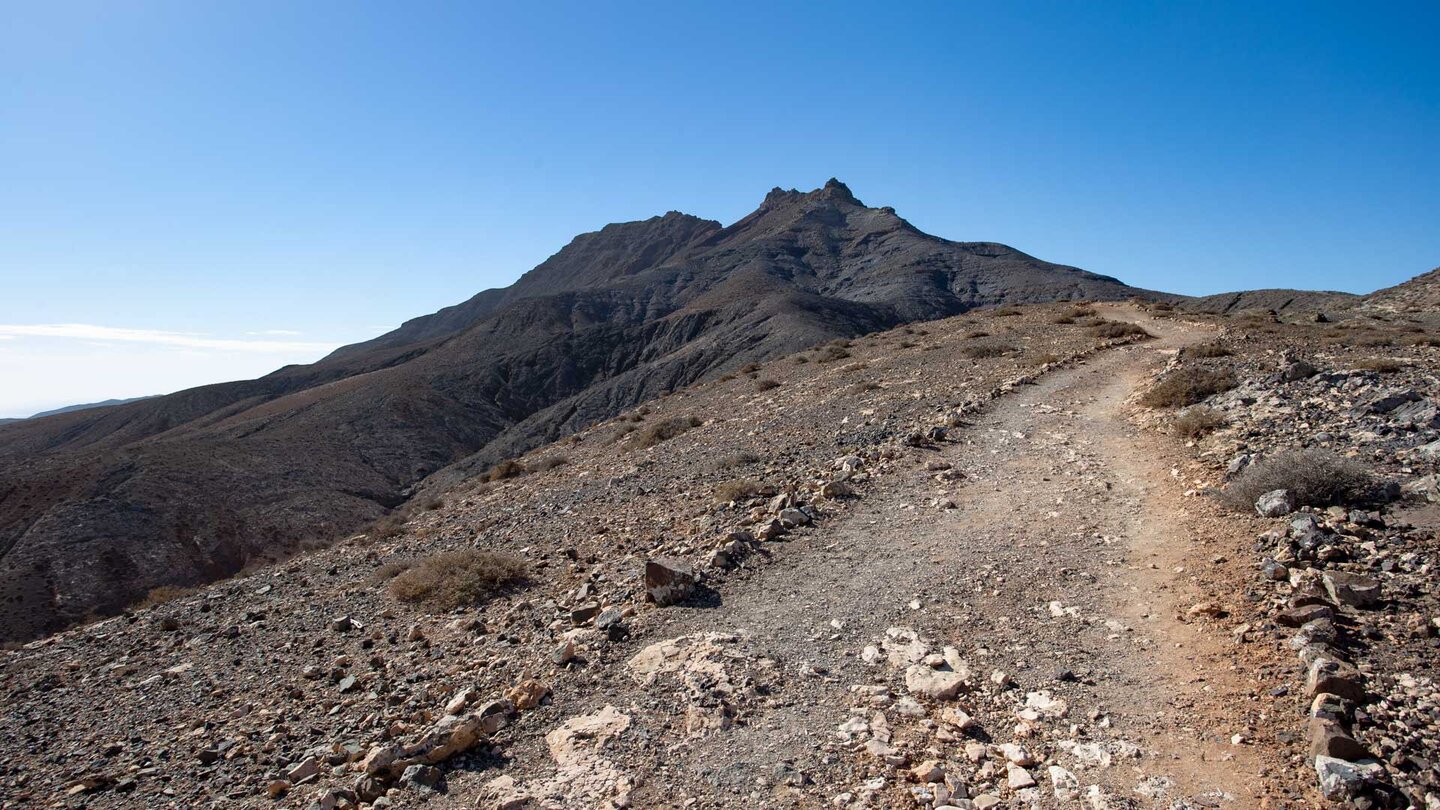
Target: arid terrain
(1053, 555)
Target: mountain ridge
(192, 486)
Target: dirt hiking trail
(1063, 563)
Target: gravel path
(1053, 567)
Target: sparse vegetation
(1208, 350)
(975, 334)
(980, 348)
(735, 460)
(390, 570)
(740, 489)
(1044, 358)
(1005, 312)
(1062, 319)
(1197, 420)
(1188, 386)
(1118, 329)
(664, 431)
(1380, 365)
(831, 352)
(766, 385)
(1314, 477)
(550, 462)
(161, 594)
(508, 468)
(864, 387)
(457, 579)
(1082, 312)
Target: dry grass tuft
(1211, 349)
(509, 468)
(1187, 386)
(985, 347)
(665, 431)
(161, 594)
(735, 460)
(1314, 477)
(1380, 365)
(1118, 329)
(457, 579)
(1198, 420)
(740, 489)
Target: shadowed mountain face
(99, 506)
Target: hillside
(1419, 294)
(101, 506)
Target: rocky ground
(950, 565)
(1345, 587)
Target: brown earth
(1047, 537)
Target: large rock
(668, 581)
(936, 684)
(1329, 738)
(1340, 779)
(1275, 503)
(1350, 589)
(1336, 678)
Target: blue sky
(235, 185)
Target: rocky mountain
(97, 507)
(1282, 302)
(1419, 294)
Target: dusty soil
(1048, 549)
(1064, 503)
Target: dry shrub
(740, 489)
(1314, 477)
(1044, 358)
(1005, 312)
(766, 385)
(1198, 420)
(975, 334)
(1211, 349)
(161, 594)
(749, 368)
(391, 525)
(1062, 319)
(735, 460)
(390, 570)
(1118, 329)
(1082, 312)
(458, 579)
(1188, 386)
(801, 359)
(1381, 365)
(509, 468)
(550, 462)
(432, 504)
(983, 347)
(832, 352)
(665, 431)
(864, 387)
(906, 344)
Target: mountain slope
(97, 507)
(1419, 294)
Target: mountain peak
(833, 191)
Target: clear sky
(197, 191)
